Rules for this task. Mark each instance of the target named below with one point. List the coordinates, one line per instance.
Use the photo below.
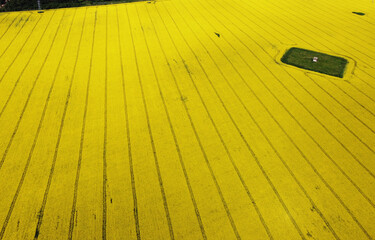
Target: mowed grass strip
(315, 61)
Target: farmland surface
(174, 119)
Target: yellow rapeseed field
(174, 119)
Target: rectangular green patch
(315, 61)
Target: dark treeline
(17, 5)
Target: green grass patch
(315, 61)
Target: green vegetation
(18, 5)
(315, 61)
(359, 13)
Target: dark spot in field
(186, 67)
(359, 13)
(19, 21)
(36, 234)
(111, 200)
(217, 34)
(317, 187)
(184, 99)
(308, 234)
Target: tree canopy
(18, 5)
